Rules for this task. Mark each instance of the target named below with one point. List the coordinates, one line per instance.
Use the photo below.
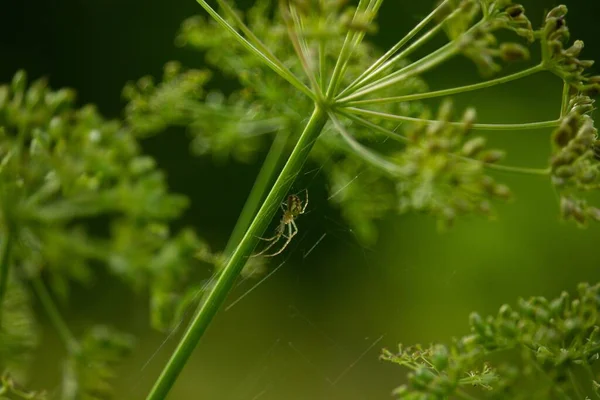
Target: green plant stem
(482, 127)
(273, 63)
(401, 138)
(5, 254)
(382, 63)
(451, 91)
(517, 170)
(345, 52)
(565, 99)
(237, 260)
(366, 154)
(54, 315)
(418, 67)
(263, 180)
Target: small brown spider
(292, 209)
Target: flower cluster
(478, 41)
(574, 164)
(77, 192)
(552, 340)
(87, 374)
(564, 61)
(445, 169)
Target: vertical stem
(54, 315)
(264, 178)
(235, 264)
(565, 99)
(5, 253)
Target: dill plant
(306, 77)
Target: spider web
(299, 348)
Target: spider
(292, 209)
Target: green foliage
(76, 192)
(548, 346)
(445, 169)
(478, 40)
(88, 371)
(575, 166)
(18, 331)
(11, 390)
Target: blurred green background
(314, 329)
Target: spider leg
(305, 203)
(278, 234)
(292, 230)
(273, 243)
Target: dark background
(305, 332)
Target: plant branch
(262, 52)
(382, 63)
(294, 25)
(54, 315)
(366, 154)
(451, 91)
(483, 127)
(236, 262)
(345, 53)
(565, 99)
(516, 170)
(418, 67)
(497, 167)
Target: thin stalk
(382, 63)
(54, 315)
(294, 25)
(7, 245)
(263, 180)
(482, 127)
(372, 9)
(518, 170)
(451, 91)
(391, 134)
(366, 154)
(343, 56)
(238, 259)
(565, 99)
(418, 67)
(266, 57)
(497, 167)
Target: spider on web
(293, 207)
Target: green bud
(515, 11)
(421, 378)
(439, 357)
(575, 49)
(592, 90)
(19, 82)
(588, 176)
(491, 156)
(473, 146)
(562, 135)
(171, 70)
(141, 165)
(593, 213)
(4, 93)
(557, 12)
(512, 52)
(563, 158)
(565, 171)
(502, 191)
